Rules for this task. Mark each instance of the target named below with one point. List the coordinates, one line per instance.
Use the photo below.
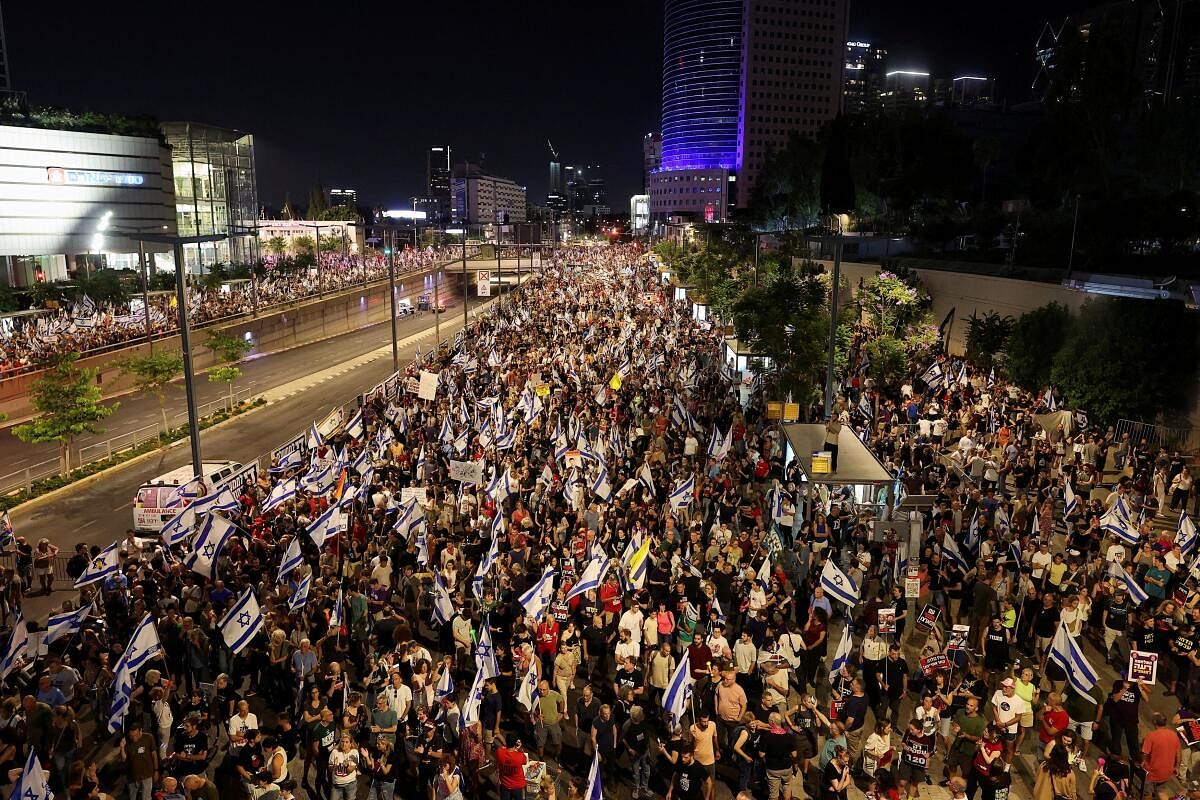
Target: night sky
(352, 97)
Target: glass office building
(216, 191)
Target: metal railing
(92, 452)
(1185, 439)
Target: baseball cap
(1007, 682)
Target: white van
(404, 307)
(149, 513)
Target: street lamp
(189, 378)
(135, 233)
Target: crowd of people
(84, 326)
(588, 552)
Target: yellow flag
(615, 383)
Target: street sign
(483, 283)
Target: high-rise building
(651, 156)
(739, 76)
(864, 70)
(343, 197)
(480, 198)
(972, 90)
(904, 89)
(437, 184)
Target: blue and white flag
(1049, 399)
(838, 585)
(485, 655)
(470, 709)
(327, 526)
(315, 439)
(527, 693)
(679, 692)
(292, 558)
(1067, 654)
(445, 685)
(594, 790)
(485, 565)
(6, 531)
(66, 624)
(842, 657)
(972, 539)
(122, 689)
(362, 462)
(591, 578)
(601, 487)
(319, 481)
(222, 499)
(300, 595)
(337, 614)
(443, 608)
(864, 407)
(933, 377)
(293, 460)
(991, 379)
(355, 427)
(1136, 593)
(1186, 537)
(143, 645)
(242, 622)
(182, 495)
(681, 494)
(538, 597)
(763, 576)
(646, 477)
(106, 562)
(950, 550)
(1069, 499)
(179, 527)
(1122, 529)
(208, 545)
(18, 647)
(32, 783)
(279, 495)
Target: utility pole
(464, 275)
(1074, 228)
(391, 254)
(833, 305)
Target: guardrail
(1183, 438)
(25, 477)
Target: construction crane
(553, 152)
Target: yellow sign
(615, 383)
(791, 412)
(822, 463)
(542, 389)
(774, 410)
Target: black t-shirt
(191, 746)
(596, 640)
(1124, 707)
(250, 758)
(1118, 616)
(637, 737)
(777, 749)
(629, 679)
(1046, 622)
(856, 707)
(690, 781)
(832, 774)
(893, 675)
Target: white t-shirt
(1007, 707)
(1039, 562)
(631, 620)
(239, 726)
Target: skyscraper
(437, 179)
(738, 77)
(863, 81)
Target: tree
(888, 359)
(152, 374)
(276, 245)
(103, 286)
(227, 375)
(787, 193)
(332, 244)
(986, 336)
(1126, 358)
(1035, 339)
(226, 346)
(67, 400)
(303, 245)
(316, 202)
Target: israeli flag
(864, 407)
(527, 693)
(143, 645)
(443, 607)
(106, 562)
(1072, 505)
(32, 783)
(362, 462)
(950, 550)
(485, 566)
(681, 495)
(714, 444)
(122, 689)
(1049, 399)
(179, 527)
(186, 493)
(66, 624)
(592, 577)
(300, 595)
(485, 655)
(763, 576)
(1067, 654)
(1136, 592)
(293, 460)
(292, 558)
(842, 656)
(501, 487)
(279, 495)
(242, 622)
(601, 487)
(1112, 523)
(355, 428)
(838, 585)
(18, 647)
(972, 540)
(207, 547)
(538, 597)
(679, 692)
(409, 518)
(221, 500)
(932, 377)
(326, 526)
(445, 685)
(319, 482)
(422, 549)
(1186, 538)
(991, 380)
(646, 478)
(470, 710)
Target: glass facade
(216, 191)
(702, 54)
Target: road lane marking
(84, 525)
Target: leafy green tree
(152, 374)
(67, 400)
(1126, 358)
(785, 318)
(226, 346)
(227, 375)
(1035, 338)
(303, 245)
(986, 336)
(342, 213)
(888, 359)
(103, 286)
(332, 244)
(275, 245)
(8, 299)
(787, 194)
(891, 303)
(316, 202)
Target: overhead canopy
(1050, 421)
(857, 465)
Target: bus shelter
(861, 477)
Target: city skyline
(335, 121)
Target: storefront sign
(92, 177)
(1143, 667)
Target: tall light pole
(391, 254)
(189, 378)
(833, 306)
(317, 250)
(135, 233)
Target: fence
(8, 560)
(98, 451)
(1184, 439)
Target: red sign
(938, 662)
